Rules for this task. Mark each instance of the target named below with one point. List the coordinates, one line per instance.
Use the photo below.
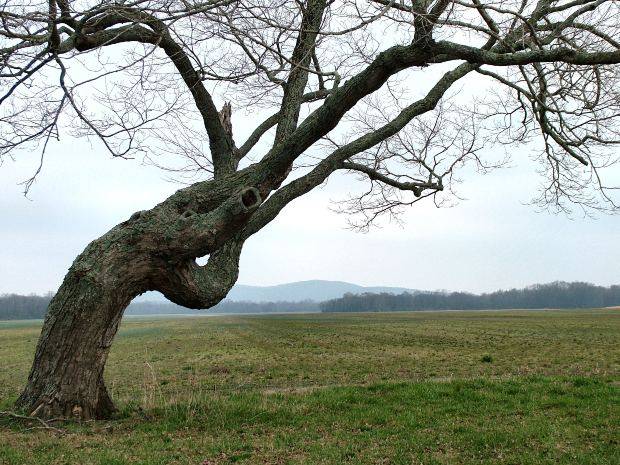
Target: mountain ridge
(318, 290)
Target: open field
(518, 387)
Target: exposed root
(42, 424)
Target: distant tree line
(26, 307)
(23, 307)
(552, 295)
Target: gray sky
(491, 240)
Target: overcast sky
(491, 240)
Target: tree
(143, 77)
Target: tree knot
(250, 198)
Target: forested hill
(553, 295)
(318, 290)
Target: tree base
(68, 405)
(66, 379)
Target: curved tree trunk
(153, 250)
(66, 379)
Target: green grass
(517, 387)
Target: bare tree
(143, 77)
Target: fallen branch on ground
(24, 418)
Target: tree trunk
(153, 250)
(66, 379)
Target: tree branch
(221, 143)
(415, 187)
(199, 287)
(446, 51)
(274, 204)
(298, 77)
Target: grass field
(518, 387)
